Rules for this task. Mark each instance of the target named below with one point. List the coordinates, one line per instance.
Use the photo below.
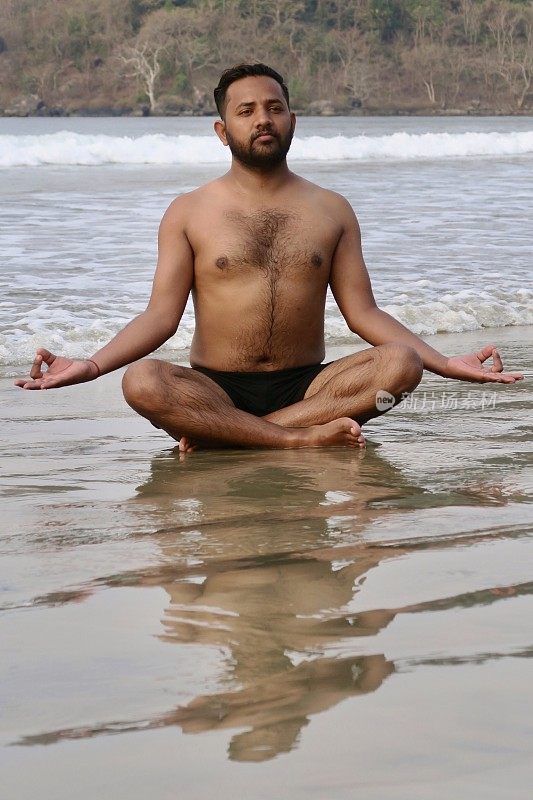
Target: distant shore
(33, 106)
(423, 112)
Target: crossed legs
(186, 403)
(348, 387)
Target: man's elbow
(169, 326)
(359, 321)
(164, 325)
(168, 329)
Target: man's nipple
(222, 262)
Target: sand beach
(292, 623)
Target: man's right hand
(61, 372)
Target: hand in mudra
(60, 371)
(470, 367)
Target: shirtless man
(257, 248)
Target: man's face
(258, 126)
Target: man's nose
(262, 118)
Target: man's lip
(264, 136)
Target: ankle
(299, 437)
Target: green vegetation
(360, 56)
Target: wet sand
(297, 624)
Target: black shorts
(261, 393)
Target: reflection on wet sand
(261, 556)
(272, 615)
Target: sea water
(444, 206)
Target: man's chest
(271, 243)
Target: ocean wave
(68, 148)
(467, 310)
(453, 312)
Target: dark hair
(239, 71)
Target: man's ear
(220, 130)
(293, 120)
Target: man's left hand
(470, 368)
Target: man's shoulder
(184, 203)
(327, 198)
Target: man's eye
(245, 111)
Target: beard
(261, 155)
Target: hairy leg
(188, 404)
(348, 387)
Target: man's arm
(351, 287)
(171, 286)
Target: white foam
(462, 311)
(68, 148)
(74, 336)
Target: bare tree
(512, 31)
(143, 61)
(424, 64)
(354, 54)
(471, 13)
(184, 35)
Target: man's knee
(404, 365)
(141, 383)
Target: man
(257, 248)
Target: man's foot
(186, 445)
(343, 432)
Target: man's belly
(249, 328)
(256, 353)
(230, 362)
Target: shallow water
(445, 238)
(291, 625)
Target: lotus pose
(258, 248)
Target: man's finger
(36, 367)
(485, 352)
(491, 377)
(30, 384)
(518, 376)
(502, 377)
(46, 356)
(497, 363)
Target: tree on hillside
(143, 61)
(190, 32)
(175, 41)
(512, 57)
(354, 55)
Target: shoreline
(451, 342)
(425, 112)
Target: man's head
(239, 72)
(257, 124)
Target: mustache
(262, 133)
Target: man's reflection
(273, 594)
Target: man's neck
(254, 181)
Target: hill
(60, 57)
